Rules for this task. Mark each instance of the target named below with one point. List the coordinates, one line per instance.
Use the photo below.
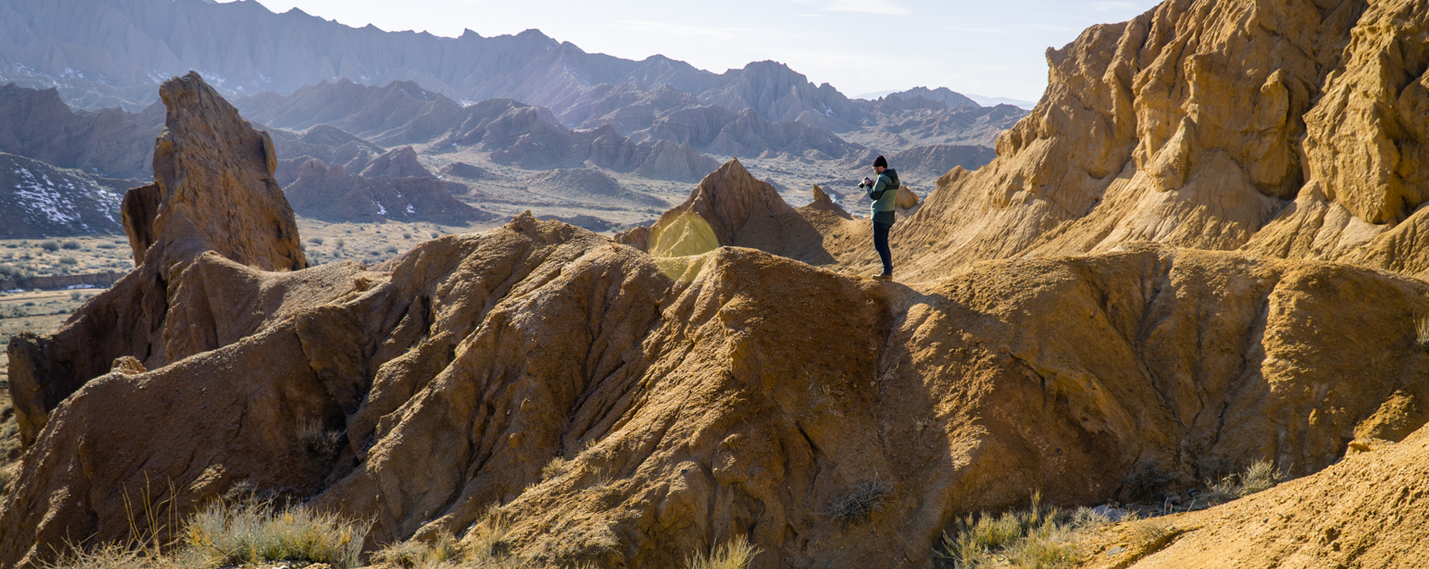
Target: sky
(993, 49)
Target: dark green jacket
(884, 193)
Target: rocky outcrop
(464, 170)
(396, 163)
(213, 193)
(323, 142)
(330, 193)
(729, 207)
(1362, 511)
(215, 176)
(1150, 131)
(823, 202)
(672, 161)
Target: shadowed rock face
(213, 192)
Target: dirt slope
(1366, 511)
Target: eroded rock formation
(213, 192)
(1208, 124)
(626, 409)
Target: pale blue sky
(859, 46)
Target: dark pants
(880, 243)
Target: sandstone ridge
(1097, 301)
(1151, 131)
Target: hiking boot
(883, 276)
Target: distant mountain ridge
(103, 53)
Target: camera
(866, 182)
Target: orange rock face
(1281, 129)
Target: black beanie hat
(880, 161)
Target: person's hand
(867, 181)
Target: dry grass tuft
(446, 551)
(1040, 537)
(116, 556)
(320, 443)
(1260, 475)
(255, 532)
(1421, 327)
(555, 469)
(734, 554)
(860, 501)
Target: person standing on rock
(884, 193)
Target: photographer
(884, 193)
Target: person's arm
(875, 192)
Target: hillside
(110, 142)
(41, 201)
(1154, 145)
(1199, 252)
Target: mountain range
(103, 53)
(342, 96)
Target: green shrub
(70, 245)
(68, 261)
(50, 245)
